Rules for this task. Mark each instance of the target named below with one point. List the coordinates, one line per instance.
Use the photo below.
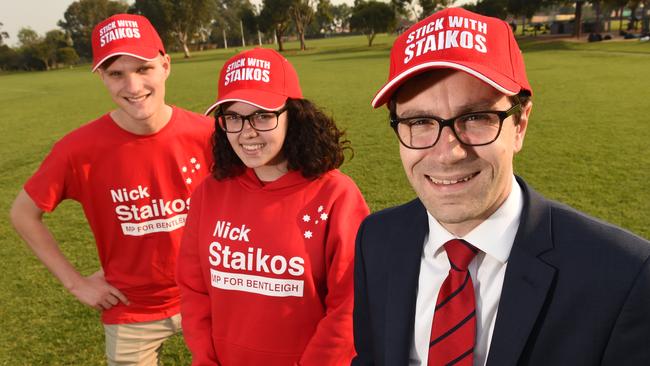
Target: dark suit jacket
(576, 290)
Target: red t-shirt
(265, 270)
(135, 192)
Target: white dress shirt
(494, 238)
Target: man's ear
(167, 64)
(521, 127)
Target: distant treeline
(187, 25)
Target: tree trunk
(241, 27)
(597, 8)
(620, 19)
(371, 37)
(578, 19)
(186, 51)
(182, 38)
(278, 35)
(644, 18)
(632, 24)
(303, 46)
(523, 25)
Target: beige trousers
(138, 344)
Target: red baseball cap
(261, 77)
(125, 34)
(455, 38)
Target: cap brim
(145, 54)
(500, 82)
(259, 98)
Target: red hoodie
(265, 270)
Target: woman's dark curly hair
(313, 144)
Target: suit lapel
(527, 281)
(406, 246)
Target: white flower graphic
(189, 170)
(323, 216)
(306, 218)
(320, 208)
(308, 234)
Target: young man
(480, 269)
(132, 170)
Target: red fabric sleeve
(52, 182)
(196, 310)
(332, 343)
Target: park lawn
(586, 145)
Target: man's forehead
(130, 61)
(451, 87)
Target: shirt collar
(494, 236)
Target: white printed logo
(190, 170)
(319, 217)
(457, 32)
(240, 261)
(245, 69)
(139, 214)
(119, 29)
(276, 287)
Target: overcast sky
(42, 15)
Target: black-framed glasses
(260, 121)
(471, 129)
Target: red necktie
(453, 334)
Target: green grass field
(587, 145)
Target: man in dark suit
(480, 269)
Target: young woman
(266, 264)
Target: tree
(371, 18)
(58, 50)
(28, 37)
(275, 18)
(179, 20)
(302, 14)
(81, 17)
(578, 19)
(44, 52)
(228, 20)
(619, 6)
(493, 8)
(342, 14)
(634, 5)
(9, 58)
(33, 54)
(399, 6)
(67, 56)
(431, 6)
(324, 16)
(247, 15)
(50, 45)
(597, 8)
(524, 8)
(3, 35)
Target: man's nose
(133, 84)
(448, 149)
